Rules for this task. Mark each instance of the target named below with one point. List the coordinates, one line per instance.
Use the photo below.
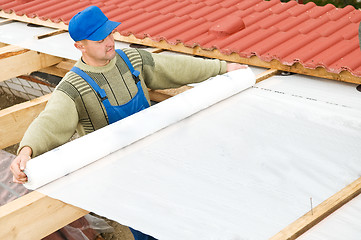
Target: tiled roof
(289, 32)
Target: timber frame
(29, 210)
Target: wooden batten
(16, 119)
(53, 33)
(320, 212)
(16, 61)
(35, 216)
(59, 69)
(267, 74)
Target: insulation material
(244, 168)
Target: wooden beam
(53, 33)
(267, 74)
(59, 69)
(17, 61)
(6, 21)
(344, 76)
(320, 212)
(11, 50)
(35, 216)
(16, 119)
(161, 95)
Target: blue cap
(91, 24)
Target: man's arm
(52, 128)
(162, 71)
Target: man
(105, 86)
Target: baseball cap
(91, 24)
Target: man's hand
(18, 165)
(235, 66)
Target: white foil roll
(96, 145)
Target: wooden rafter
(53, 33)
(16, 61)
(16, 119)
(35, 216)
(320, 212)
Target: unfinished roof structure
(307, 39)
(270, 35)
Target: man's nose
(109, 39)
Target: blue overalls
(116, 113)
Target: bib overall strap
(101, 93)
(135, 73)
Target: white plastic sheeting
(76, 154)
(244, 168)
(24, 35)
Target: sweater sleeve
(171, 71)
(53, 127)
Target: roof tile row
(289, 32)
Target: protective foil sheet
(242, 168)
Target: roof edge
(296, 67)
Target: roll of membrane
(94, 146)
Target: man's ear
(79, 45)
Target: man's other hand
(235, 66)
(18, 165)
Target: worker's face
(97, 53)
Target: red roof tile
(289, 32)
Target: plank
(161, 95)
(11, 50)
(59, 69)
(34, 216)
(22, 61)
(267, 74)
(50, 34)
(16, 119)
(320, 212)
(6, 21)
